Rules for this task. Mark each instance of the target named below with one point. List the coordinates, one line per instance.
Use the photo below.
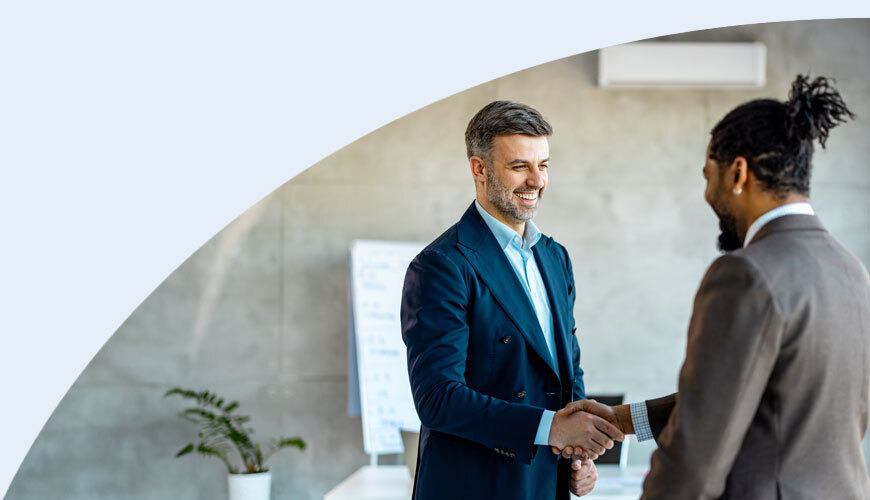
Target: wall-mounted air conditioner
(683, 65)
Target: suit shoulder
(849, 259)
(741, 270)
(738, 262)
(556, 248)
(442, 250)
(443, 244)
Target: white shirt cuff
(542, 438)
(640, 420)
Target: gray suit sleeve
(659, 412)
(733, 343)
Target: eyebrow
(521, 162)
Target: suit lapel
(479, 246)
(550, 272)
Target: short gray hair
(502, 118)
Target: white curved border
(131, 134)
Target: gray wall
(259, 312)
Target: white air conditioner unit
(683, 65)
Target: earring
(737, 190)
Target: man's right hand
(579, 429)
(620, 416)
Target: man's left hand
(583, 477)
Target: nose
(537, 177)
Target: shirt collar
(505, 234)
(799, 208)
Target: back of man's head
(776, 138)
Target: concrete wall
(259, 312)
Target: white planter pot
(250, 486)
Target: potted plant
(222, 429)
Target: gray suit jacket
(773, 394)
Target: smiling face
(515, 178)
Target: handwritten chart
(377, 273)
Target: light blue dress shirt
(639, 417)
(519, 253)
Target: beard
(503, 199)
(729, 240)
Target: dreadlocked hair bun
(814, 107)
(777, 138)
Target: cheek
(708, 192)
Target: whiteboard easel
(377, 274)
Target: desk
(385, 482)
(617, 484)
(393, 482)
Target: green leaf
(294, 441)
(199, 412)
(184, 451)
(187, 393)
(232, 406)
(207, 450)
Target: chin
(525, 215)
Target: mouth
(527, 197)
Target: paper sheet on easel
(377, 274)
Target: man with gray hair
(487, 317)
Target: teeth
(528, 196)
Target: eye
(544, 165)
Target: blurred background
(260, 313)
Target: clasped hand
(584, 430)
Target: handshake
(585, 429)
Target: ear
(478, 168)
(740, 172)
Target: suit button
(521, 394)
(506, 340)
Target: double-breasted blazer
(480, 371)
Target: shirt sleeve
(542, 438)
(640, 421)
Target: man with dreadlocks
(773, 394)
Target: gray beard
(501, 197)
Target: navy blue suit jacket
(480, 371)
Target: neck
(517, 225)
(763, 205)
